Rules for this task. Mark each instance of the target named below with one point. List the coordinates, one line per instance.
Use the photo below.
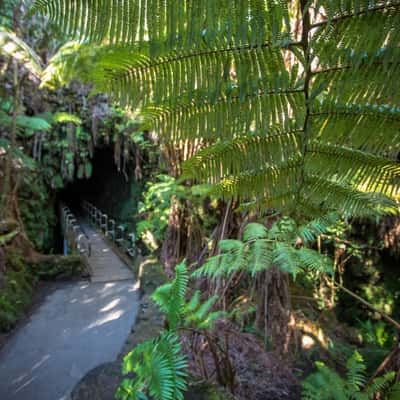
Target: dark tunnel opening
(114, 192)
(100, 188)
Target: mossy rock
(61, 268)
(151, 275)
(16, 290)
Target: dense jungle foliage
(253, 146)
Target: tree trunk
(6, 200)
(273, 315)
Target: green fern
(326, 384)
(306, 126)
(14, 47)
(262, 248)
(159, 368)
(170, 297)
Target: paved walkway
(77, 328)
(102, 257)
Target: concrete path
(102, 257)
(77, 328)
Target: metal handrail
(117, 234)
(74, 236)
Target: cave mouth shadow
(106, 188)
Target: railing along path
(117, 234)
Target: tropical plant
(326, 384)
(155, 208)
(300, 115)
(14, 47)
(261, 248)
(160, 368)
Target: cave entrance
(112, 191)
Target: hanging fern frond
(134, 77)
(242, 154)
(14, 47)
(208, 120)
(304, 127)
(351, 46)
(179, 25)
(370, 128)
(362, 170)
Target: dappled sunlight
(27, 383)
(104, 320)
(110, 305)
(41, 362)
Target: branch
(4, 239)
(369, 305)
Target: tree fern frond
(228, 75)
(327, 384)
(371, 128)
(179, 25)
(357, 44)
(324, 384)
(202, 317)
(210, 268)
(159, 367)
(14, 47)
(72, 61)
(132, 76)
(329, 195)
(349, 85)
(337, 11)
(231, 259)
(244, 153)
(254, 231)
(261, 256)
(268, 183)
(379, 385)
(310, 231)
(372, 173)
(208, 119)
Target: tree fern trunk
(273, 313)
(184, 237)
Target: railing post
(111, 229)
(104, 222)
(119, 235)
(131, 250)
